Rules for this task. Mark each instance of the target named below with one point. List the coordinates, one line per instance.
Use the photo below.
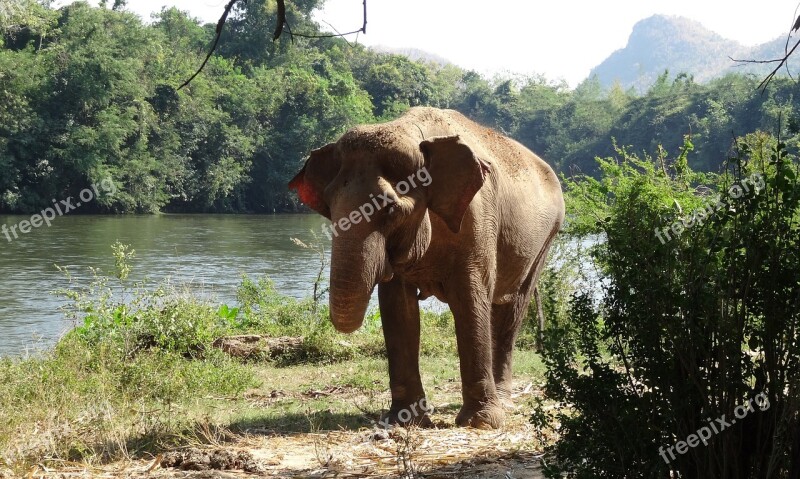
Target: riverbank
(208, 253)
(139, 384)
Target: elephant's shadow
(303, 423)
(312, 421)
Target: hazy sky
(561, 39)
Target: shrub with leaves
(699, 314)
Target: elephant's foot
(486, 416)
(416, 414)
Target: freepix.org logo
(377, 203)
(414, 411)
(59, 208)
(700, 215)
(714, 427)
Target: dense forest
(89, 94)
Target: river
(208, 252)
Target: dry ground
(317, 421)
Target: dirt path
(443, 452)
(431, 454)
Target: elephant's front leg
(400, 319)
(482, 407)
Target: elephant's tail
(540, 316)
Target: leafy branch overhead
(282, 23)
(782, 61)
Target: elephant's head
(376, 187)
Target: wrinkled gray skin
(476, 238)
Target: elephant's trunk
(356, 266)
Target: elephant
(456, 211)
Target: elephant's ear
(320, 169)
(456, 175)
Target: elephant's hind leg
(481, 408)
(506, 322)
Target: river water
(208, 252)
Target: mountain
(679, 45)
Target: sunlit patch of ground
(319, 421)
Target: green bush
(135, 318)
(689, 327)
